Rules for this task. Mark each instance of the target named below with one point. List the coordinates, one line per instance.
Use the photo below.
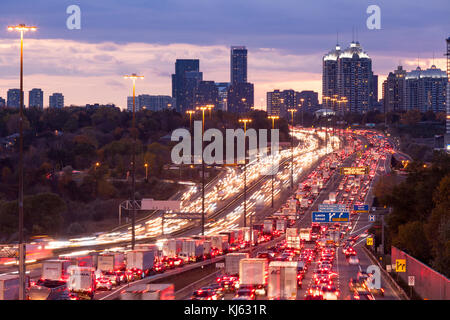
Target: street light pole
(22, 245)
(133, 77)
(271, 151)
(245, 121)
(292, 149)
(203, 109)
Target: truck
(219, 243)
(172, 247)
(229, 236)
(49, 290)
(9, 287)
(281, 225)
(149, 291)
(293, 203)
(246, 236)
(282, 283)
(80, 260)
(110, 261)
(268, 226)
(292, 238)
(55, 270)
(191, 251)
(140, 262)
(332, 197)
(315, 189)
(207, 245)
(82, 282)
(232, 262)
(305, 234)
(304, 203)
(253, 272)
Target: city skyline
(283, 53)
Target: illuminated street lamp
(210, 107)
(292, 110)
(146, 172)
(273, 118)
(190, 112)
(22, 246)
(133, 78)
(245, 121)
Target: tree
(411, 238)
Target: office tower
(13, 97)
(274, 103)
(206, 93)
(183, 98)
(310, 100)
(240, 97)
(56, 100)
(373, 95)
(426, 90)
(347, 74)
(222, 88)
(36, 98)
(394, 91)
(238, 65)
(2, 102)
(330, 75)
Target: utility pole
(133, 77)
(22, 245)
(245, 121)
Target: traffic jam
(300, 263)
(305, 264)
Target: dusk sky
(286, 40)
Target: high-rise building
(222, 91)
(394, 91)
(240, 92)
(279, 102)
(238, 65)
(240, 97)
(13, 98)
(207, 93)
(36, 98)
(183, 97)
(426, 90)
(347, 75)
(310, 100)
(275, 103)
(56, 100)
(150, 102)
(2, 102)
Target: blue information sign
(361, 208)
(326, 217)
(332, 207)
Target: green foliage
(42, 213)
(420, 220)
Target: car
(245, 293)
(103, 283)
(314, 293)
(112, 276)
(228, 283)
(362, 295)
(330, 292)
(353, 260)
(204, 293)
(218, 290)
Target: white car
(353, 260)
(104, 283)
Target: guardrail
(386, 275)
(183, 293)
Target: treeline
(420, 220)
(82, 158)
